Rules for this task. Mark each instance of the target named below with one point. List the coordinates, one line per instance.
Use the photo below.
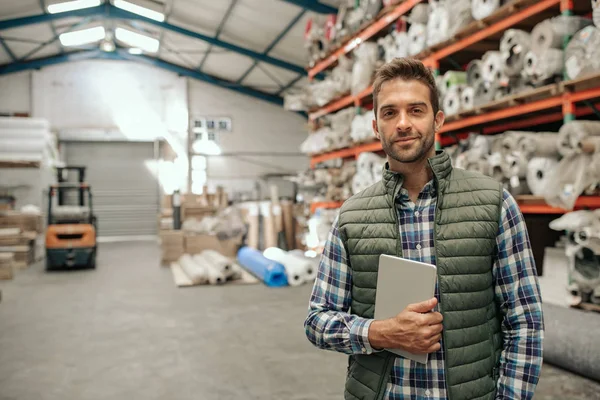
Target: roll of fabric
(495, 166)
(223, 264)
(269, 271)
(550, 33)
(514, 46)
(460, 15)
(568, 341)
(438, 25)
(361, 181)
(419, 14)
(312, 265)
(439, 83)
(542, 67)
(484, 8)
(485, 92)
(538, 170)
(510, 142)
(515, 165)
(195, 271)
(454, 78)
(467, 98)
(574, 133)
(14, 123)
(417, 36)
(582, 55)
(295, 270)
(493, 67)
(452, 103)
(596, 12)
(474, 74)
(538, 144)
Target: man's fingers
(423, 307)
(434, 318)
(435, 347)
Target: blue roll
(270, 272)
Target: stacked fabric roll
(484, 8)
(298, 268)
(362, 128)
(583, 52)
(369, 169)
(450, 88)
(396, 44)
(446, 18)
(417, 38)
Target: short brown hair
(407, 69)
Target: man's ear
(376, 130)
(440, 117)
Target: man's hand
(416, 329)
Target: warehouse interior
(170, 171)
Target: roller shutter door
(125, 193)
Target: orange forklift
(71, 232)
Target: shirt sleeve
(518, 294)
(329, 325)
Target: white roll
(195, 270)
(438, 25)
(223, 264)
(452, 102)
(474, 73)
(213, 275)
(542, 67)
(311, 265)
(484, 8)
(582, 55)
(26, 134)
(539, 144)
(515, 165)
(538, 170)
(417, 36)
(513, 37)
(514, 47)
(14, 123)
(549, 34)
(493, 67)
(596, 16)
(467, 98)
(361, 181)
(296, 269)
(419, 14)
(572, 134)
(485, 92)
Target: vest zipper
(435, 230)
(386, 373)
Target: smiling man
(484, 335)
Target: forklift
(71, 232)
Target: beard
(418, 151)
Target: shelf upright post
(568, 107)
(566, 9)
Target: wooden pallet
(580, 84)
(19, 164)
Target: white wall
(141, 102)
(15, 93)
(258, 126)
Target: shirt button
(364, 350)
(427, 393)
(418, 247)
(417, 214)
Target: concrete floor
(124, 331)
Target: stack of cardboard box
(172, 245)
(6, 266)
(20, 235)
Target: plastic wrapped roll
(452, 104)
(572, 135)
(537, 174)
(220, 262)
(195, 271)
(485, 92)
(311, 272)
(14, 123)
(549, 34)
(417, 36)
(484, 8)
(295, 269)
(361, 181)
(514, 46)
(495, 166)
(474, 75)
(582, 55)
(438, 25)
(493, 67)
(538, 144)
(460, 15)
(515, 165)
(510, 142)
(419, 14)
(269, 271)
(454, 78)
(541, 67)
(467, 98)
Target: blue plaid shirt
(330, 326)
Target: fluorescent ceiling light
(72, 5)
(135, 50)
(84, 36)
(143, 11)
(133, 39)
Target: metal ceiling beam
(123, 55)
(313, 5)
(219, 30)
(109, 11)
(274, 43)
(8, 50)
(289, 85)
(54, 32)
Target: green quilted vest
(466, 225)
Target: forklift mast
(61, 179)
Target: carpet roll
(195, 271)
(484, 8)
(467, 98)
(474, 74)
(417, 35)
(269, 271)
(582, 55)
(537, 174)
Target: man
(484, 337)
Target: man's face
(405, 122)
